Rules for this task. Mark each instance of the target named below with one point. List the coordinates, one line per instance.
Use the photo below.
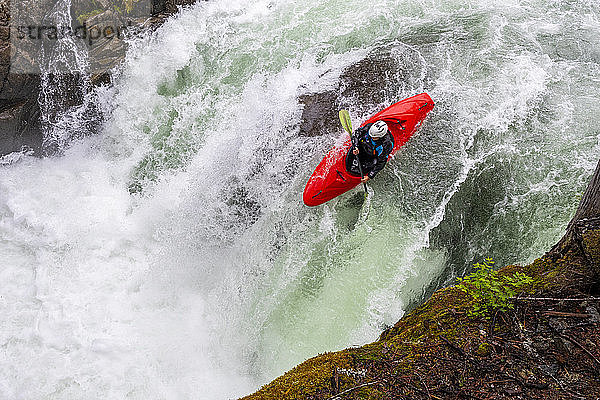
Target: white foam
(215, 278)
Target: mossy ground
(591, 246)
(547, 347)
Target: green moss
(311, 377)
(84, 17)
(546, 273)
(371, 351)
(591, 245)
(441, 323)
(484, 349)
(93, 8)
(370, 393)
(440, 311)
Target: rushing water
(170, 257)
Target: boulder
(19, 110)
(20, 126)
(368, 85)
(169, 6)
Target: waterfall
(164, 252)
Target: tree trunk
(589, 207)
(583, 232)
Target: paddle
(347, 124)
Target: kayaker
(371, 144)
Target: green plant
(490, 290)
(84, 17)
(129, 5)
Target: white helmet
(378, 129)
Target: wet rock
(20, 124)
(19, 127)
(377, 78)
(19, 109)
(375, 81)
(170, 6)
(108, 50)
(319, 113)
(19, 113)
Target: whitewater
(170, 256)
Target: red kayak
(331, 178)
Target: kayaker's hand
(355, 151)
(364, 178)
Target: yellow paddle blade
(345, 120)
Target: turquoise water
(170, 257)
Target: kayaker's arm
(358, 134)
(382, 158)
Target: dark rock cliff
(20, 112)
